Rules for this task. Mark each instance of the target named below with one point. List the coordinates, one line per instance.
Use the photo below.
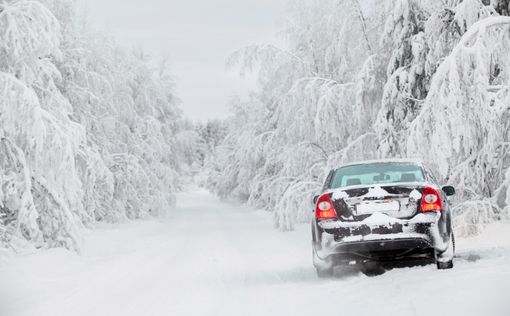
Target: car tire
(324, 268)
(372, 269)
(443, 265)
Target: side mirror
(314, 200)
(449, 190)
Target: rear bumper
(375, 246)
(418, 236)
(381, 250)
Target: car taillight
(431, 200)
(324, 208)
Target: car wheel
(445, 260)
(445, 265)
(324, 268)
(372, 269)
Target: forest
(92, 132)
(363, 79)
(89, 132)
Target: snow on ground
(213, 258)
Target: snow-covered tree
(461, 129)
(88, 132)
(282, 140)
(30, 37)
(364, 79)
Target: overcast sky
(197, 36)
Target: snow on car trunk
(397, 200)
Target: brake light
(324, 208)
(431, 200)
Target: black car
(382, 212)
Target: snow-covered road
(212, 258)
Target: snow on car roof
(397, 160)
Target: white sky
(197, 36)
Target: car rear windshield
(377, 173)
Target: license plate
(372, 207)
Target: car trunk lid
(396, 200)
